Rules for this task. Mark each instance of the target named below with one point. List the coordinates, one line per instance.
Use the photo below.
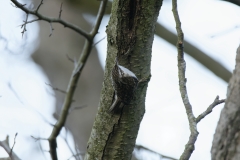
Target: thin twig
(189, 147)
(76, 108)
(24, 25)
(41, 149)
(39, 6)
(147, 149)
(72, 60)
(77, 150)
(77, 155)
(51, 20)
(56, 89)
(69, 58)
(100, 14)
(77, 70)
(60, 12)
(34, 20)
(210, 108)
(38, 139)
(73, 83)
(51, 30)
(13, 144)
(14, 92)
(5, 145)
(66, 141)
(98, 41)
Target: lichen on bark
(131, 25)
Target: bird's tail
(116, 107)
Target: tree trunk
(226, 142)
(130, 30)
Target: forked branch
(189, 147)
(78, 68)
(5, 145)
(48, 19)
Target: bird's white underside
(126, 72)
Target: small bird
(124, 83)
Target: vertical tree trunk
(226, 142)
(130, 29)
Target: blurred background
(33, 67)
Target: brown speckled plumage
(125, 83)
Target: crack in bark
(111, 133)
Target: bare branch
(78, 68)
(161, 155)
(14, 92)
(24, 26)
(73, 60)
(77, 155)
(51, 30)
(51, 20)
(76, 108)
(60, 12)
(13, 144)
(5, 145)
(98, 41)
(189, 147)
(210, 108)
(39, 6)
(70, 59)
(69, 147)
(73, 82)
(56, 89)
(38, 139)
(99, 18)
(41, 149)
(26, 22)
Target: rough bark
(226, 143)
(132, 25)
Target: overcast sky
(212, 26)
